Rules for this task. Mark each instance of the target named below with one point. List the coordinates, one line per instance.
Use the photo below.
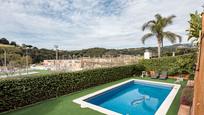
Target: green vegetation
(48, 93)
(195, 27)
(4, 41)
(38, 55)
(52, 93)
(16, 54)
(18, 92)
(156, 28)
(64, 106)
(173, 65)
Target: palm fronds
(195, 26)
(146, 36)
(156, 28)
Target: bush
(19, 92)
(191, 76)
(172, 72)
(4, 41)
(174, 65)
(187, 96)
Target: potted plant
(187, 96)
(186, 101)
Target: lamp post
(5, 57)
(27, 60)
(27, 47)
(56, 48)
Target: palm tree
(195, 27)
(156, 28)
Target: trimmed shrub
(187, 96)
(19, 92)
(174, 65)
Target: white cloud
(77, 24)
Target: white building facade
(147, 54)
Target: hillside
(38, 55)
(4, 45)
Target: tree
(24, 46)
(13, 43)
(156, 28)
(195, 27)
(29, 46)
(4, 41)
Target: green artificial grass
(64, 106)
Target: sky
(81, 24)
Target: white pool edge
(162, 110)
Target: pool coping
(162, 110)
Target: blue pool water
(132, 98)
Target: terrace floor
(64, 106)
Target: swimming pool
(132, 97)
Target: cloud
(78, 24)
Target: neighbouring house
(89, 63)
(68, 65)
(147, 54)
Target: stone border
(162, 110)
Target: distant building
(89, 63)
(173, 53)
(67, 65)
(147, 54)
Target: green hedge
(19, 92)
(173, 65)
